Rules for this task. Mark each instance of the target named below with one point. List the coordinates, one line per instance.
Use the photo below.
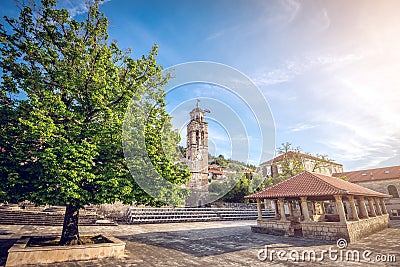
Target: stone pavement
(229, 243)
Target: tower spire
(197, 104)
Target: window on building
(394, 212)
(266, 171)
(393, 191)
(197, 137)
(307, 166)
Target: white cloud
(325, 21)
(292, 8)
(352, 97)
(301, 127)
(361, 153)
(278, 14)
(76, 7)
(295, 67)
(214, 35)
(361, 112)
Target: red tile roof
(314, 185)
(215, 171)
(371, 174)
(291, 154)
(214, 168)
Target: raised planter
(20, 253)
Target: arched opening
(197, 137)
(393, 191)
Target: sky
(328, 70)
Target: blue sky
(328, 69)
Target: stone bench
(332, 218)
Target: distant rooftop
(291, 154)
(371, 174)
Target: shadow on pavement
(216, 241)
(5, 245)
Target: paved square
(208, 244)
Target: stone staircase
(249, 214)
(165, 215)
(41, 217)
(54, 216)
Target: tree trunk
(70, 232)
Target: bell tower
(197, 156)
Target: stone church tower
(197, 156)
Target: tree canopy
(64, 90)
(293, 162)
(239, 187)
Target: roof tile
(371, 174)
(314, 184)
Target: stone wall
(365, 227)
(273, 227)
(20, 254)
(324, 230)
(381, 185)
(351, 230)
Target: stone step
(163, 215)
(41, 218)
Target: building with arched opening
(384, 180)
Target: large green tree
(239, 185)
(292, 162)
(64, 91)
